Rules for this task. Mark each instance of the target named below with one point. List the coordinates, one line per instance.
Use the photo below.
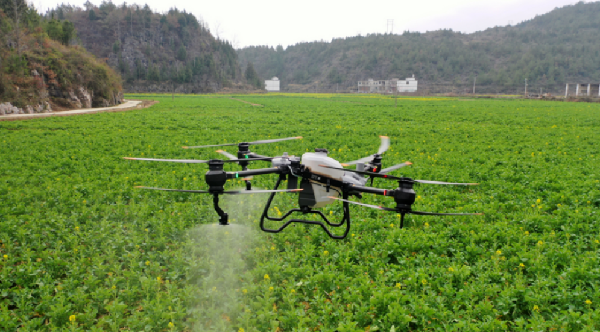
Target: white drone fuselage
(312, 160)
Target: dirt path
(247, 102)
(126, 106)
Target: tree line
(548, 51)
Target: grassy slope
(77, 239)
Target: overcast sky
(271, 22)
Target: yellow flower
(158, 279)
(76, 228)
(498, 252)
(147, 262)
(267, 277)
(521, 265)
(72, 318)
(271, 289)
(245, 291)
(5, 256)
(272, 248)
(84, 201)
(424, 282)
(241, 330)
(539, 201)
(450, 269)
(171, 325)
(352, 234)
(540, 243)
(325, 252)
(526, 232)
(293, 291)
(588, 302)
(398, 285)
(426, 225)
(536, 308)
(114, 287)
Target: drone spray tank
(315, 194)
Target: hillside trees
(36, 63)
(252, 76)
(548, 50)
(147, 47)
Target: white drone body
(314, 160)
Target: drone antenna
(402, 219)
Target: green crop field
(81, 249)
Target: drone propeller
(385, 176)
(385, 144)
(395, 167)
(226, 154)
(410, 212)
(231, 192)
(194, 161)
(250, 143)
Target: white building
(408, 85)
(388, 86)
(272, 84)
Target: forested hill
(549, 50)
(41, 70)
(152, 51)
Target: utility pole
(474, 82)
(525, 88)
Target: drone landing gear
(305, 210)
(223, 217)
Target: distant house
(388, 86)
(272, 84)
(408, 85)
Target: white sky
(272, 22)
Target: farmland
(83, 250)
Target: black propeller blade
(249, 143)
(385, 144)
(194, 161)
(230, 192)
(410, 212)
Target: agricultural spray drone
(322, 181)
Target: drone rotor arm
(377, 175)
(362, 160)
(251, 172)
